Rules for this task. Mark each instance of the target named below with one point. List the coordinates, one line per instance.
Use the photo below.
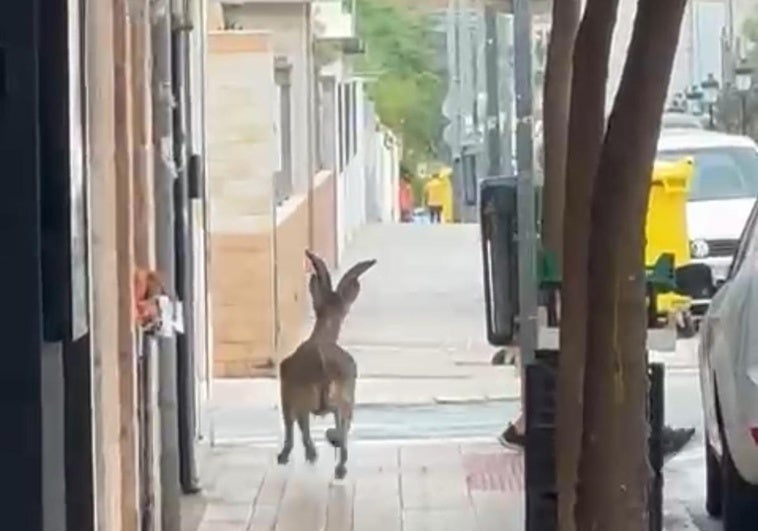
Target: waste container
(667, 242)
(666, 222)
(497, 222)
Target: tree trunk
(614, 472)
(557, 100)
(585, 137)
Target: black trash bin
(497, 221)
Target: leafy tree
(407, 91)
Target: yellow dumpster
(666, 225)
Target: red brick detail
(494, 472)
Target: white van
(722, 194)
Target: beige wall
(257, 266)
(240, 89)
(288, 24)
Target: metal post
(165, 177)
(711, 123)
(494, 144)
(184, 270)
(527, 238)
(743, 97)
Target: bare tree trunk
(585, 137)
(615, 469)
(557, 101)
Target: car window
(748, 241)
(720, 173)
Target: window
(354, 123)
(720, 173)
(348, 117)
(340, 127)
(283, 176)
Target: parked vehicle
(722, 193)
(728, 361)
(681, 120)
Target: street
(426, 389)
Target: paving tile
(366, 459)
(221, 526)
(437, 455)
(498, 511)
(304, 503)
(339, 512)
(228, 512)
(439, 520)
(430, 489)
(377, 503)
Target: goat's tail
(325, 387)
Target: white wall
(367, 186)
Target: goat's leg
(334, 435)
(303, 421)
(284, 455)
(344, 418)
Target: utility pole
(164, 182)
(527, 234)
(492, 125)
(184, 270)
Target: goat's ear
(320, 271)
(317, 293)
(349, 287)
(320, 283)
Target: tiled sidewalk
(390, 487)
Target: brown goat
(319, 377)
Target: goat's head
(334, 303)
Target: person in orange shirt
(406, 196)
(434, 197)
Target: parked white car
(723, 191)
(729, 384)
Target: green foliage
(407, 92)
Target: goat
(320, 376)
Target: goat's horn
(322, 273)
(354, 272)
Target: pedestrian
(514, 435)
(434, 197)
(406, 196)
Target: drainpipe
(184, 255)
(164, 182)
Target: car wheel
(740, 498)
(713, 490)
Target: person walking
(406, 196)
(434, 197)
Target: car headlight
(699, 248)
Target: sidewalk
(418, 335)
(389, 487)
(446, 486)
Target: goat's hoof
(283, 458)
(310, 454)
(340, 471)
(334, 437)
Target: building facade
(101, 400)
